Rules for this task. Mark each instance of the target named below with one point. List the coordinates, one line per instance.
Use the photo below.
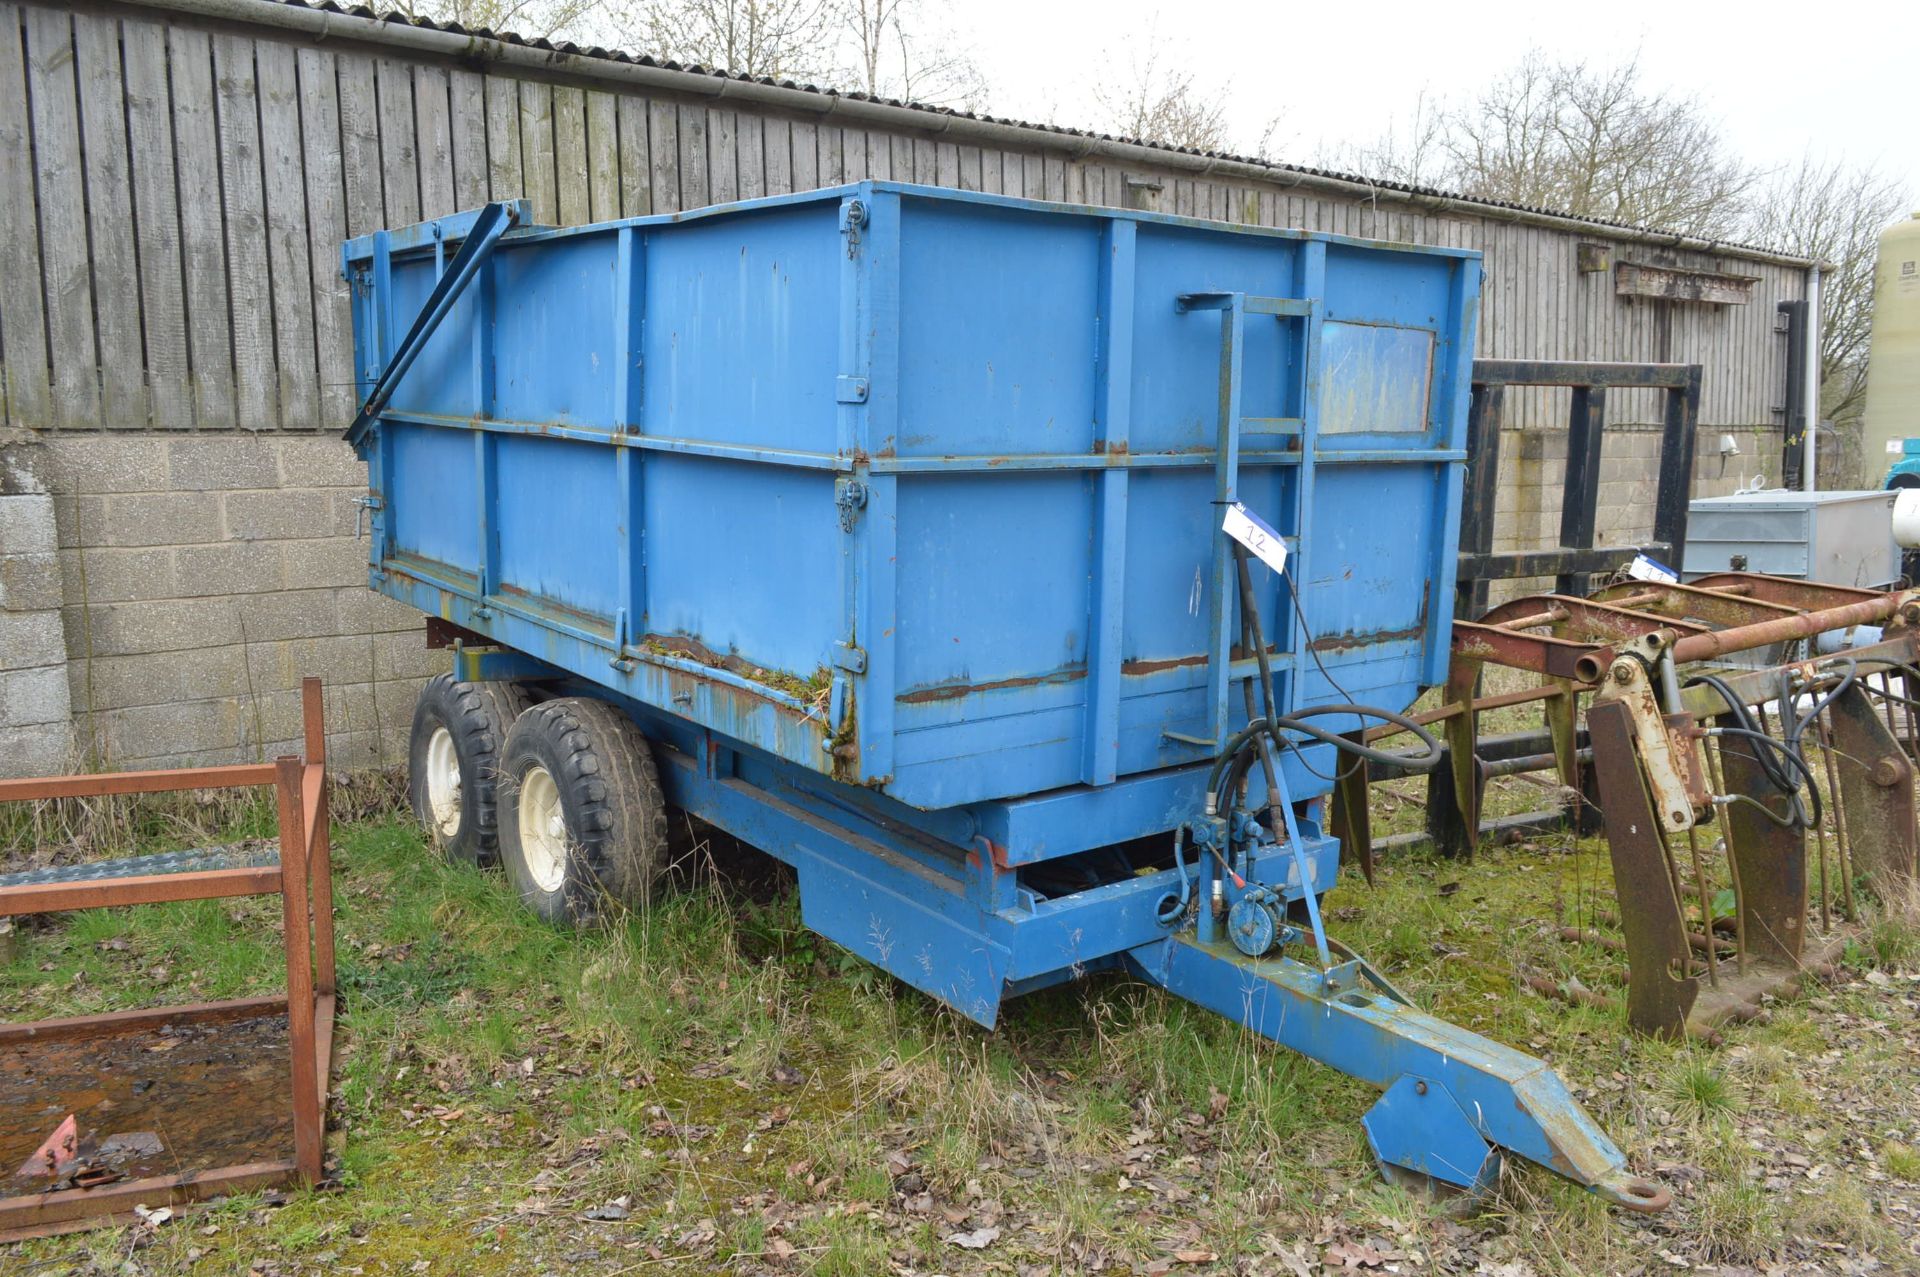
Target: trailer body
(894, 516)
(946, 456)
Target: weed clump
(1699, 1089)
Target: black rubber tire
(610, 802)
(476, 716)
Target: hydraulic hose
(1791, 755)
(1743, 719)
(1234, 761)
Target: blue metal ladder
(1235, 428)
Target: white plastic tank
(1893, 362)
(1906, 519)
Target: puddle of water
(211, 1094)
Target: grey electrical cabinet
(1839, 538)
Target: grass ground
(709, 1088)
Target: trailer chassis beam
(1455, 1102)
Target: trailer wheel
(582, 818)
(452, 753)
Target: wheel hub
(443, 783)
(543, 829)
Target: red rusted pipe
(1741, 638)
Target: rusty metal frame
(303, 880)
(1574, 641)
(1613, 645)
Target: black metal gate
(1574, 561)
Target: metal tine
(1820, 840)
(1889, 704)
(1733, 867)
(1706, 905)
(1843, 847)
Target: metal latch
(850, 495)
(853, 215)
(850, 658)
(850, 389)
(361, 506)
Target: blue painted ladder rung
(1284, 307)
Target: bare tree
(781, 39)
(1151, 102)
(1833, 213)
(1410, 152)
(1593, 142)
(539, 19)
(907, 49)
(1597, 143)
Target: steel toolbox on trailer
(893, 517)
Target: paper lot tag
(1250, 530)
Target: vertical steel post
(1580, 502)
(1113, 403)
(1226, 473)
(295, 907)
(1675, 490)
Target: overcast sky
(1335, 73)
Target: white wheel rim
(543, 829)
(443, 782)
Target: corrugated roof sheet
(1046, 130)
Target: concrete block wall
(200, 577)
(36, 734)
(1533, 469)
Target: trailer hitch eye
(1636, 1194)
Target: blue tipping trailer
(884, 528)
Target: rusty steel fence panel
(302, 877)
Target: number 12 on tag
(1250, 530)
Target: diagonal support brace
(492, 222)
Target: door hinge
(850, 389)
(850, 658)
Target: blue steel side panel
(441, 379)
(1373, 564)
(740, 342)
(1170, 551)
(744, 559)
(554, 335)
(434, 498)
(559, 522)
(1006, 695)
(1176, 356)
(997, 330)
(970, 629)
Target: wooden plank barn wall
(176, 179)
